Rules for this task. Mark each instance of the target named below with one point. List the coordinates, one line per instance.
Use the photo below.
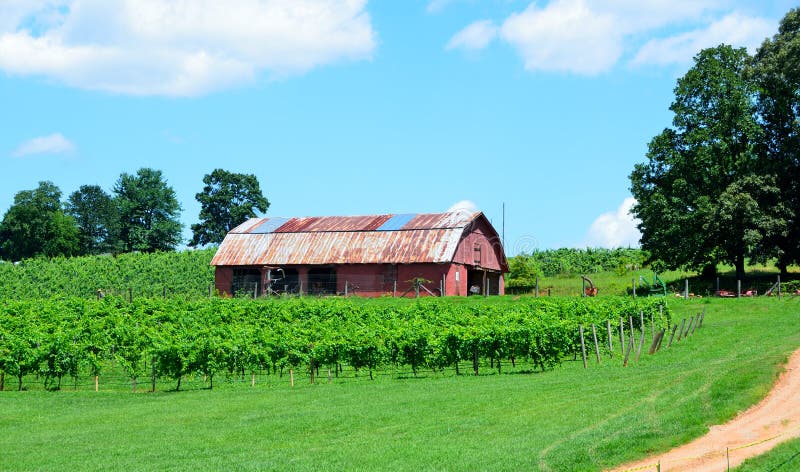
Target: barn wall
(432, 272)
(366, 280)
(480, 235)
(458, 288)
(371, 280)
(223, 278)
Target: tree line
(141, 214)
(722, 184)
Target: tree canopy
(149, 212)
(97, 217)
(776, 74)
(723, 183)
(37, 225)
(227, 200)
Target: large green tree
(37, 225)
(776, 72)
(227, 200)
(149, 212)
(699, 194)
(97, 217)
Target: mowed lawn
(564, 419)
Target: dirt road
(774, 420)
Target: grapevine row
(149, 338)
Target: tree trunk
(783, 267)
(739, 267)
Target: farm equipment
(591, 290)
(658, 287)
(273, 276)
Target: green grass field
(565, 419)
(784, 458)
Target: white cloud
(615, 229)
(735, 29)
(465, 206)
(435, 6)
(161, 47)
(566, 35)
(52, 144)
(590, 37)
(474, 37)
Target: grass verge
(784, 458)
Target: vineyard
(184, 274)
(168, 339)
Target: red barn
(456, 253)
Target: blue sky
(352, 107)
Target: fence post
(680, 332)
(660, 339)
(583, 346)
(394, 288)
(633, 286)
(639, 349)
(610, 341)
(689, 327)
(686, 289)
(621, 337)
(345, 288)
(596, 346)
(628, 352)
(738, 289)
(537, 287)
(779, 287)
(717, 286)
(630, 320)
(674, 328)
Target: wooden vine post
(596, 346)
(583, 346)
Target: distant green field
(568, 418)
(759, 278)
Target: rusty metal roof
(376, 239)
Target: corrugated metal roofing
(269, 226)
(396, 222)
(381, 239)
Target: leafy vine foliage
(171, 338)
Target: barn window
(476, 253)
